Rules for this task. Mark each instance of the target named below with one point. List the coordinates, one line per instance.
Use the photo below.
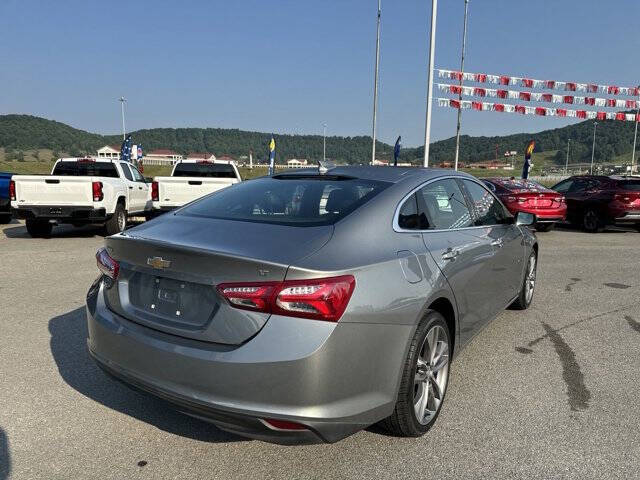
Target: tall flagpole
(566, 165)
(464, 42)
(432, 48)
(635, 136)
(375, 86)
(122, 100)
(593, 146)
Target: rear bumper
(63, 214)
(335, 379)
(628, 217)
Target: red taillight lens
(155, 192)
(622, 197)
(107, 265)
(12, 190)
(283, 424)
(97, 191)
(318, 299)
(561, 199)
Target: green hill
(24, 132)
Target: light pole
(432, 48)
(593, 147)
(635, 136)
(324, 141)
(122, 100)
(464, 42)
(566, 165)
(375, 85)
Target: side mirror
(526, 219)
(148, 179)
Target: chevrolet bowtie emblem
(158, 262)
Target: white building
(296, 163)
(109, 151)
(161, 157)
(201, 156)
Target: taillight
(561, 199)
(97, 191)
(12, 190)
(622, 197)
(318, 299)
(107, 265)
(155, 192)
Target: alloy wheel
(591, 220)
(122, 221)
(432, 374)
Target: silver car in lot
(306, 306)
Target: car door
(506, 240)
(141, 189)
(460, 250)
(130, 185)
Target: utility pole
(635, 136)
(122, 100)
(324, 141)
(375, 85)
(593, 147)
(432, 49)
(566, 165)
(464, 42)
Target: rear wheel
(637, 227)
(5, 218)
(592, 222)
(528, 285)
(117, 222)
(424, 379)
(39, 228)
(544, 227)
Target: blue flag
(125, 150)
(272, 156)
(396, 151)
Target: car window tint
(488, 210)
(444, 205)
(126, 171)
(136, 174)
(578, 185)
(288, 200)
(204, 169)
(408, 217)
(88, 168)
(632, 185)
(563, 187)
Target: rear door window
(86, 169)
(126, 172)
(444, 205)
(409, 218)
(488, 209)
(288, 200)
(631, 185)
(204, 169)
(563, 187)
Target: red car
(595, 201)
(519, 195)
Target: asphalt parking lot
(547, 393)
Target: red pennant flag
(581, 114)
(476, 105)
(570, 86)
(502, 93)
(527, 82)
(479, 92)
(481, 77)
(567, 99)
(525, 96)
(547, 97)
(589, 100)
(454, 103)
(634, 91)
(504, 80)
(631, 104)
(592, 88)
(561, 112)
(613, 90)
(520, 109)
(551, 84)
(621, 116)
(541, 111)
(455, 89)
(611, 102)
(498, 107)
(601, 115)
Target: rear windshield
(633, 185)
(86, 169)
(217, 170)
(517, 184)
(301, 201)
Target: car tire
(592, 221)
(420, 378)
(5, 218)
(528, 284)
(637, 227)
(544, 227)
(118, 221)
(38, 228)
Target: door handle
(497, 243)
(139, 188)
(130, 187)
(450, 254)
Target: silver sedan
(306, 306)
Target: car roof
(380, 173)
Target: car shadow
(69, 350)
(66, 231)
(5, 457)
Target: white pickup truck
(192, 179)
(81, 191)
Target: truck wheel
(117, 222)
(5, 218)
(39, 228)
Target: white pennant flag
(560, 85)
(514, 80)
(493, 78)
(443, 73)
(581, 87)
(624, 90)
(621, 103)
(571, 113)
(537, 83)
(443, 88)
(465, 104)
(467, 91)
(513, 94)
(556, 98)
(630, 117)
(487, 106)
(600, 102)
(611, 115)
(578, 100)
(443, 102)
(468, 76)
(509, 108)
(603, 88)
(529, 110)
(551, 112)
(536, 97)
(491, 92)
(591, 115)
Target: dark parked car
(304, 307)
(520, 195)
(595, 201)
(5, 202)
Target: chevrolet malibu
(306, 306)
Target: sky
(288, 66)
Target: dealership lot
(546, 393)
